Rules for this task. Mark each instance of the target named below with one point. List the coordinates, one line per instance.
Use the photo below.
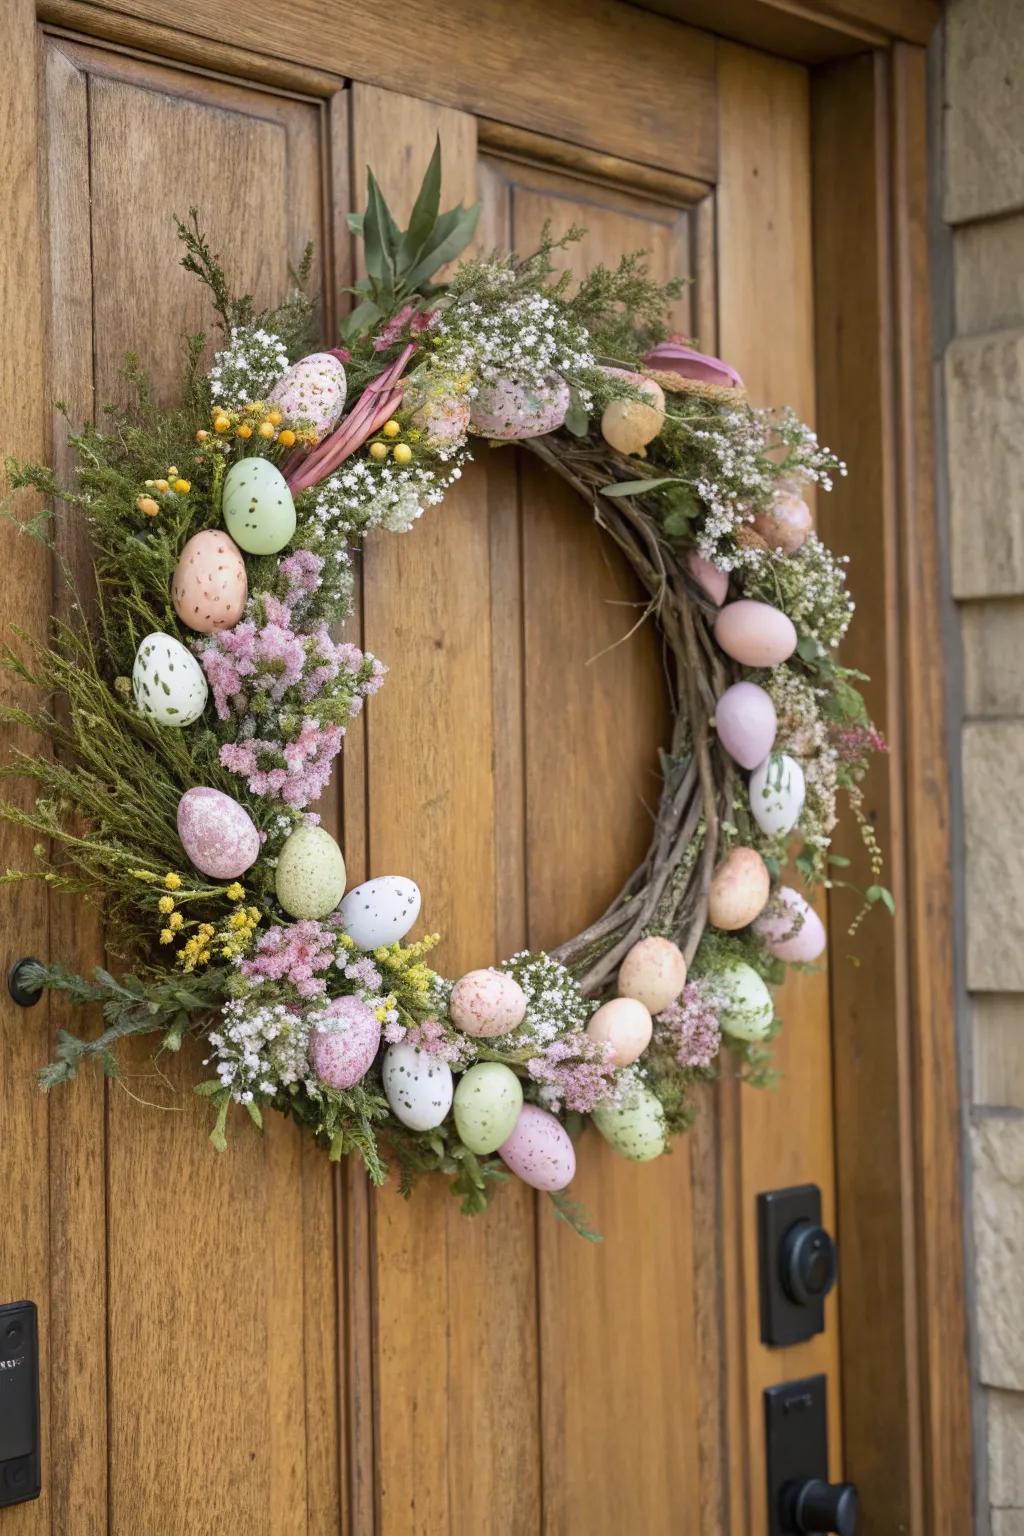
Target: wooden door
(254, 1341)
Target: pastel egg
(167, 681)
(443, 419)
(487, 1003)
(218, 834)
(777, 790)
(310, 876)
(488, 1100)
(209, 586)
(635, 1128)
(380, 911)
(624, 1024)
(712, 582)
(313, 392)
(739, 889)
(755, 634)
(653, 972)
(790, 928)
(508, 410)
(746, 1010)
(257, 506)
(539, 1150)
(786, 523)
(417, 1085)
(341, 1050)
(746, 723)
(629, 425)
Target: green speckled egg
(487, 1104)
(747, 1011)
(310, 879)
(636, 1129)
(257, 506)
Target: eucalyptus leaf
(361, 319)
(423, 218)
(448, 247)
(577, 420)
(637, 487)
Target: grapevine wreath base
(203, 706)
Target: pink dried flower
(579, 1071)
(691, 1025)
(296, 953)
(407, 318)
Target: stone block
(998, 1189)
(984, 108)
(993, 769)
(985, 415)
(992, 640)
(1008, 1522)
(1005, 1411)
(997, 1039)
(988, 267)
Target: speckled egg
(310, 877)
(625, 1025)
(539, 1150)
(257, 507)
(218, 834)
(747, 1010)
(209, 586)
(629, 425)
(755, 634)
(746, 723)
(739, 889)
(653, 972)
(313, 392)
(776, 791)
(443, 420)
(487, 1003)
(712, 582)
(380, 911)
(786, 523)
(790, 927)
(636, 1128)
(508, 410)
(167, 681)
(488, 1100)
(417, 1085)
(341, 1051)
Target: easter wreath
(211, 669)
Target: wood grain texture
(809, 31)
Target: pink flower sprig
(297, 953)
(409, 317)
(691, 1025)
(578, 1072)
(378, 401)
(295, 771)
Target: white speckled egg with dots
(380, 911)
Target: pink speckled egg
(341, 1051)
(313, 391)
(739, 890)
(508, 410)
(654, 973)
(219, 836)
(713, 582)
(443, 420)
(624, 1024)
(755, 634)
(786, 524)
(790, 928)
(539, 1150)
(487, 1003)
(209, 586)
(746, 723)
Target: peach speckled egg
(746, 723)
(624, 1024)
(487, 1003)
(790, 928)
(219, 835)
(508, 410)
(209, 586)
(539, 1150)
(313, 391)
(755, 634)
(712, 582)
(739, 889)
(653, 972)
(342, 1047)
(786, 523)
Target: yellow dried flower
(166, 936)
(166, 904)
(235, 892)
(172, 881)
(183, 487)
(175, 921)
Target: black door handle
(815, 1506)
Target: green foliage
(292, 320)
(623, 308)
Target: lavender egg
(790, 928)
(209, 587)
(746, 723)
(508, 410)
(487, 1003)
(539, 1150)
(755, 634)
(313, 391)
(341, 1050)
(712, 582)
(219, 836)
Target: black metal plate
(796, 1440)
(19, 1403)
(782, 1320)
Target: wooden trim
(525, 147)
(808, 31)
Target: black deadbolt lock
(797, 1264)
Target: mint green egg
(257, 507)
(747, 1010)
(487, 1104)
(635, 1128)
(310, 877)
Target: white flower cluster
(555, 1006)
(248, 367)
(489, 334)
(260, 1048)
(363, 494)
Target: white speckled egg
(257, 507)
(218, 834)
(487, 1003)
(635, 1128)
(790, 928)
(168, 682)
(209, 586)
(739, 889)
(313, 391)
(746, 723)
(625, 1025)
(654, 972)
(417, 1085)
(488, 1100)
(310, 877)
(747, 1010)
(508, 410)
(341, 1050)
(380, 911)
(539, 1150)
(755, 634)
(776, 792)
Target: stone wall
(982, 194)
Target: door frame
(906, 1402)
